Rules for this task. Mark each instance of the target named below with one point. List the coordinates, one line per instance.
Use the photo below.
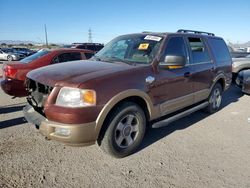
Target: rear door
(202, 65)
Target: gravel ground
(196, 151)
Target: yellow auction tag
(143, 46)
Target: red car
(14, 73)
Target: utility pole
(90, 35)
(46, 37)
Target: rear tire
(214, 99)
(9, 58)
(125, 129)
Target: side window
(98, 48)
(198, 50)
(69, 57)
(91, 47)
(176, 46)
(88, 55)
(220, 50)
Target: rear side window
(98, 48)
(69, 57)
(220, 50)
(88, 55)
(198, 50)
(91, 47)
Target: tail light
(9, 72)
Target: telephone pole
(90, 35)
(46, 37)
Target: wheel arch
(137, 96)
(221, 79)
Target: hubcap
(216, 99)
(127, 131)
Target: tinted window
(91, 47)
(69, 57)
(198, 50)
(99, 47)
(176, 46)
(220, 50)
(7, 50)
(88, 55)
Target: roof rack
(195, 32)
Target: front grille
(38, 94)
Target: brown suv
(133, 80)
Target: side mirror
(173, 62)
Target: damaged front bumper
(71, 134)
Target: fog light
(62, 131)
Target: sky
(68, 21)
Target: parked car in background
(88, 46)
(133, 80)
(243, 81)
(237, 54)
(9, 55)
(14, 74)
(240, 64)
(24, 51)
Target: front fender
(153, 111)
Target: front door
(173, 88)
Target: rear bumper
(77, 134)
(14, 87)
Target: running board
(165, 122)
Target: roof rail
(195, 32)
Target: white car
(9, 55)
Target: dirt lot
(196, 151)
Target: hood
(243, 59)
(73, 74)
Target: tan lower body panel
(184, 101)
(82, 134)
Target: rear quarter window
(220, 50)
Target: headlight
(74, 97)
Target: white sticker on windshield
(154, 38)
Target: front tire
(214, 99)
(125, 130)
(9, 58)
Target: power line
(46, 37)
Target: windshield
(137, 48)
(37, 55)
